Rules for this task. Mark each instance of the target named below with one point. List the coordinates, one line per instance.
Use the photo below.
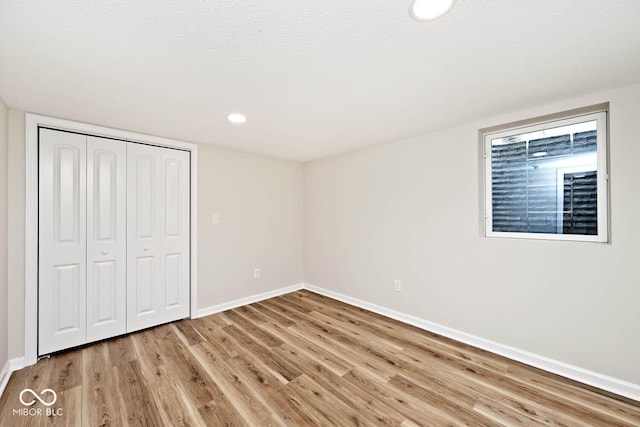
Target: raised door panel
(106, 238)
(65, 284)
(61, 240)
(146, 195)
(172, 281)
(146, 278)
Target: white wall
(260, 203)
(4, 135)
(409, 210)
(16, 196)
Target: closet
(113, 237)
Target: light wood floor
(302, 359)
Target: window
(548, 180)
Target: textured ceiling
(313, 77)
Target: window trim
(600, 115)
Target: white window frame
(602, 177)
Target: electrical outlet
(256, 273)
(215, 218)
(397, 285)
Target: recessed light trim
(236, 118)
(427, 10)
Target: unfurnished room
(319, 213)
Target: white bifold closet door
(82, 240)
(158, 232)
(114, 241)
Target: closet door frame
(32, 123)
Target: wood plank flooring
(301, 359)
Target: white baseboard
(247, 300)
(585, 376)
(9, 367)
(5, 374)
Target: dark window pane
(552, 146)
(580, 203)
(546, 181)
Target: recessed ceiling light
(237, 118)
(426, 10)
